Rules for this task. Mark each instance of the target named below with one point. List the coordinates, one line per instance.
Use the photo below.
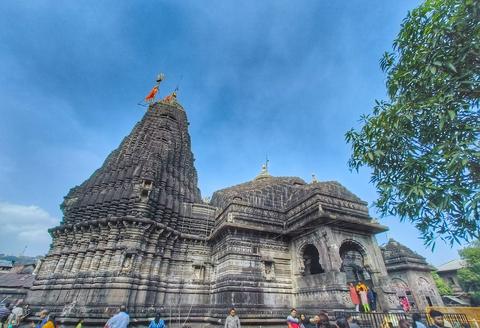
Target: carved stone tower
(127, 230)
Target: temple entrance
(311, 260)
(353, 262)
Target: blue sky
(283, 78)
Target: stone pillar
(146, 264)
(333, 250)
(94, 265)
(116, 262)
(60, 264)
(50, 264)
(78, 262)
(68, 263)
(87, 261)
(155, 268)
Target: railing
(454, 320)
(391, 320)
(374, 319)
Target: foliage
(443, 287)
(469, 276)
(423, 143)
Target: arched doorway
(404, 294)
(352, 256)
(426, 292)
(311, 260)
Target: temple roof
(267, 191)
(280, 193)
(399, 257)
(16, 280)
(394, 249)
(453, 265)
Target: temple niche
(137, 233)
(311, 261)
(353, 262)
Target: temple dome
(266, 191)
(280, 193)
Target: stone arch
(353, 255)
(307, 245)
(311, 260)
(354, 244)
(426, 291)
(400, 286)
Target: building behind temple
(138, 233)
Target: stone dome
(280, 193)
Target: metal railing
(374, 319)
(391, 320)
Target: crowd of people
(12, 317)
(322, 320)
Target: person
(437, 318)
(45, 321)
(79, 323)
(292, 320)
(341, 323)
(232, 320)
(306, 322)
(17, 314)
(157, 322)
(403, 323)
(4, 313)
(351, 322)
(119, 320)
(322, 320)
(372, 299)
(54, 321)
(362, 290)
(354, 296)
(302, 320)
(416, 321)
(405, 304)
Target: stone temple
(138, 233)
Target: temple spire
(264, 172)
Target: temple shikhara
(137, 233)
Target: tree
(469, 276)
(443, 287)
(422, 144)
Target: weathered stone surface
(137, 233)
(411, 276)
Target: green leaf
(451, 67)
(451, 114)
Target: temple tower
(128, 230)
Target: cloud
(24, 225)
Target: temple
(138, 233)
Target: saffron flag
(152, 94)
